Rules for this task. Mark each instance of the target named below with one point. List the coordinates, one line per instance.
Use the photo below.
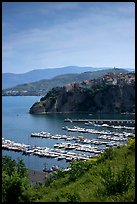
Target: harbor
(72, 145)
(40, 132)
(42, 151)
(102, 121)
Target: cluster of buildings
(108, 79)
(119, 79)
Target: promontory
(112, 93)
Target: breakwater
(101, 121)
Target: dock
(93, 146)
(42, 151)
(102, 121)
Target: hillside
(11, 79)
(110, 177)
(43, 86)
(112, 93)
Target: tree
(14, 181)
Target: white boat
(69, 159)
(105, 125)
(61, 157)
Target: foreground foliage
(108, 178)
(15, 185)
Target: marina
(42, 152)
(101, 121)
(85, 130)
(45, 138)
(92, 131)
(77, 143)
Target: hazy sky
(37, 35)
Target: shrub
(116, 182)
(108, 154)
(59, 174)
(78, 168)
(73, 197)
(131, 145)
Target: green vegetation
(52, 94)
(108, 178)
(14, 181)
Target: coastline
(37, 177)
(81, 112)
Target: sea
(18, 124)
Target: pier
(105, 138)
(80, 143)
(102, 121)
(43, 151)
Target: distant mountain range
(10, 79)
(43, 86)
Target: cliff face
(97, 98)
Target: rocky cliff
(110, 94)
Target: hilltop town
(108, 79)
(112, 93)
(40, 88)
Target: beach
(37, 177)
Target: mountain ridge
(11, 79)
(43, 86)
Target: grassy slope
(89, 186)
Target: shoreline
(46, 113)
(37, 177)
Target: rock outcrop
(109, 94)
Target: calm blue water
(18, 124)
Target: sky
(39, 35)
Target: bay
(18, 124)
